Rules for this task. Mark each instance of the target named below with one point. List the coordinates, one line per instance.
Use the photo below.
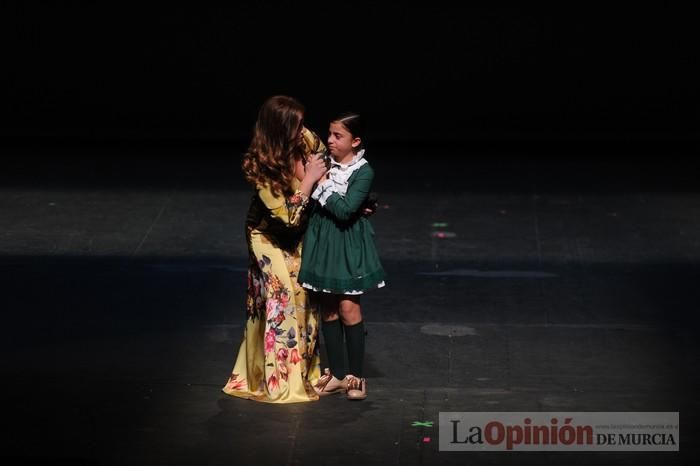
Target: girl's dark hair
(354, 123)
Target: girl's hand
(370, 206)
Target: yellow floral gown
(278, 360)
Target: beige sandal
(357, 388)
(321, 386)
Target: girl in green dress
(339, 258)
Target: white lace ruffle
(338, 177)
(351, 292)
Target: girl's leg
(351, 315)
(333, 338)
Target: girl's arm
(345, 207)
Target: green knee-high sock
(333, 337)
(355, 342)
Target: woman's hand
(315, 168)
(299, 169)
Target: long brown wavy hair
(276, 144)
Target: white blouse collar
(356, 158)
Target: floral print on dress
(255, 300)
(297, 200)
(235, 384)
(290, 327)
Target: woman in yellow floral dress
(278, 360)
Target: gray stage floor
(123, 310)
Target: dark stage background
(473, 80)
(556, 147)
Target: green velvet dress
(339, 255)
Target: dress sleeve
(286, 209)
(345, 207)
(313, 142)
(323, 191)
